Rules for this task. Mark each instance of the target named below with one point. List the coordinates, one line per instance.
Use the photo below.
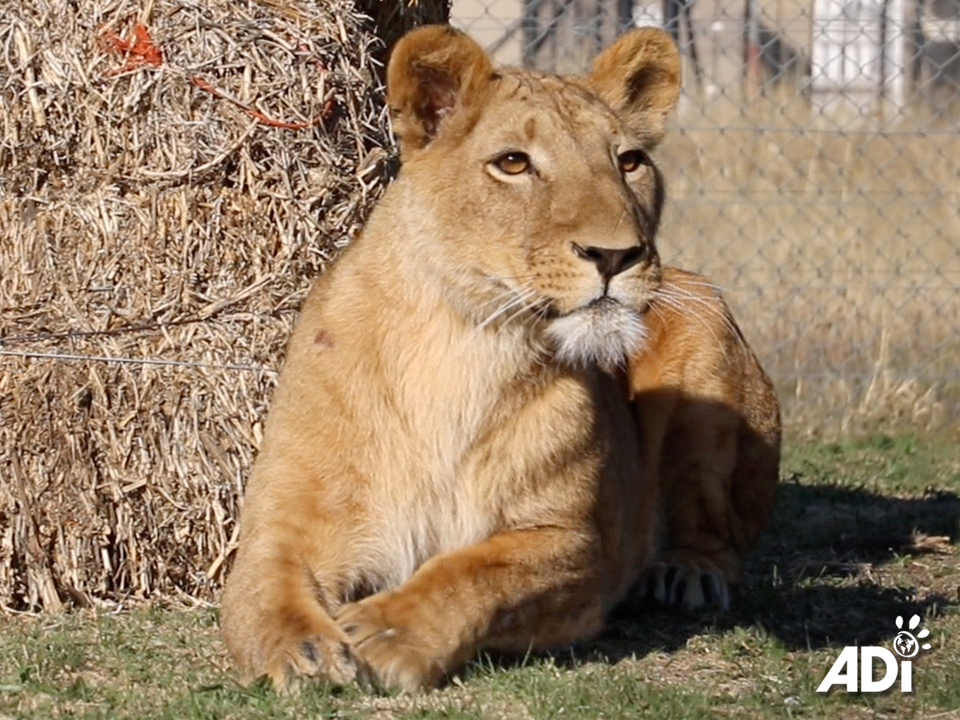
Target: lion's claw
(686, 586)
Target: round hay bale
(172, 175)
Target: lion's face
(544, 202)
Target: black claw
(711, 593)
(668, 579)
(365, 677)
(309, 651)
(677, 591)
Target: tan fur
(710, 424)
(432, 478)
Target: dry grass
(172, 208)
(838, 240)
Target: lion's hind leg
(715, 506)
(701, 556)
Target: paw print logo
(906, 644)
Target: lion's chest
(431, 524)
(448, 392)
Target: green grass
(864, 531)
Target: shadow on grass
(813, 581)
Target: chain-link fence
(813, 171)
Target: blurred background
(813, 172)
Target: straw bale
(172, 174)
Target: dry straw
(836, 238)
(172, 174)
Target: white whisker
(698, 283)
(526, 307)
(505, 293)
(690, 305)
(518, 298)
(684, 309)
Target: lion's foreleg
(277, 620)
(534, 587)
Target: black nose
(611, 261)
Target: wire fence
(813, 171)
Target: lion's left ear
(639, 77)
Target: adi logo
(906, 645)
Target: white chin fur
(604, 334)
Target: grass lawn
(864, 531)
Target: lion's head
(535, 198)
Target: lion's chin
(604, 333)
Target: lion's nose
(611, 261)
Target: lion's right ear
(436, 75)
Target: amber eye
(513, 163)
(632, 160)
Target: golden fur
(710, 423)
(447, 464)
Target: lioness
(710, 431)
(448, 464)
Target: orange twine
(265, 119)
(141, 51)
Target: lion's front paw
(312, 656)
(390, 634)
(689, 586)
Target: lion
(451, 462)
(709, 421)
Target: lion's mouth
(601, 304)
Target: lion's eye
(513, 163)
(632, 160)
